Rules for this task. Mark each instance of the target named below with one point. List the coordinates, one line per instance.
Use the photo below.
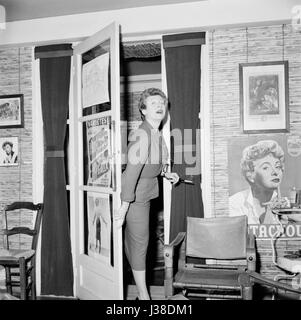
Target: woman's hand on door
(120, 214)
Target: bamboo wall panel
(228, 48)
(16, 181)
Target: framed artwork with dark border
(12, 111)
(264, 97)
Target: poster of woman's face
(260, 168)
(9, 151)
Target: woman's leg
(136, 243)
(140, 281)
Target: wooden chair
(21, 260)
(224, 239)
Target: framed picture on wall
(264, 97)
(9, 153)
(11, 111)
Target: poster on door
(99, 226)
(99, 152)
(96, 81)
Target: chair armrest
(251, 252)
(169, 249)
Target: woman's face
(155, 108)
(268, 172)
(7, 149)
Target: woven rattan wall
(16, 78)
(228, 48)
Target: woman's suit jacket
(147, 153)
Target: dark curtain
(56, 258)
(182, 58)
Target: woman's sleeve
(138, 151)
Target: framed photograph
(264, 97)
(9, 153)
(11, 111)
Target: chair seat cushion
(204, 278)
(14, 255)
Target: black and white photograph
(9, 151)
(150, 151)
(11, 111)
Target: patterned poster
(96, 81)
(99, 152)
(99, 239)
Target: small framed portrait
(12, 111)
(264, 97)
(9, 155)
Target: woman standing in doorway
(147, 155)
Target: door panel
(95, 183)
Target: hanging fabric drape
(182, 59)
(56, 258)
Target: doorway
(140, 68)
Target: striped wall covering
(228, 48)
(16, 181)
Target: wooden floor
(156, 292)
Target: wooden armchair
(21, 260)
(222, 239)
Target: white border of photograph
(14, 143)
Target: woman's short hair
(257, 151)
(148, 93)
(5, 143)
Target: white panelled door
(95, 167)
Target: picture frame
(12, 111)
(264, 97)
(9, 152)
